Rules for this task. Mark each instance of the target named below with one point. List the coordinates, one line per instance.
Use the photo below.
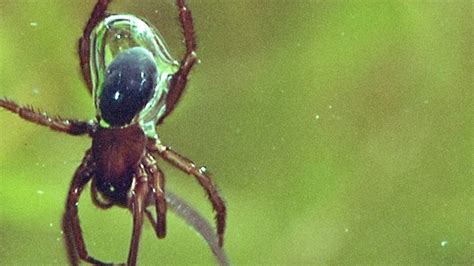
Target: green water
(339, 132)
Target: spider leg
(204, 180)
(69, 241)
(178, 82)
(157, 187)
(71, 218)
(137, 206)
(98, 14)
(71, 127)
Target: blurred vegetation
(339, 132)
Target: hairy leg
(98, 14)
(137, 206)
(71, 218)
(179, 80)
(157, 187)
(202, 177)
(71, 127)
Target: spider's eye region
(129, 84)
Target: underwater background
(338, 132)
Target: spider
(135, 85)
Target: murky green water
(338, 132)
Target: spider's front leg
(71, 222)
(202, 177)
(137, 205)
(69, 126)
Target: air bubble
(203, 170)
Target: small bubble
(50, 224)
(203, 170)
(33, 24)
(40, 192)
(346, 230)
(330, 106)
(444, 243)
(317, 117)
(425, 101)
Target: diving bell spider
(135, 85)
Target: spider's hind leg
(137, 205)
(71, 224)
(157, 188)
(204, 180)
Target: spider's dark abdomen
(128, 85)
(117, 153)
